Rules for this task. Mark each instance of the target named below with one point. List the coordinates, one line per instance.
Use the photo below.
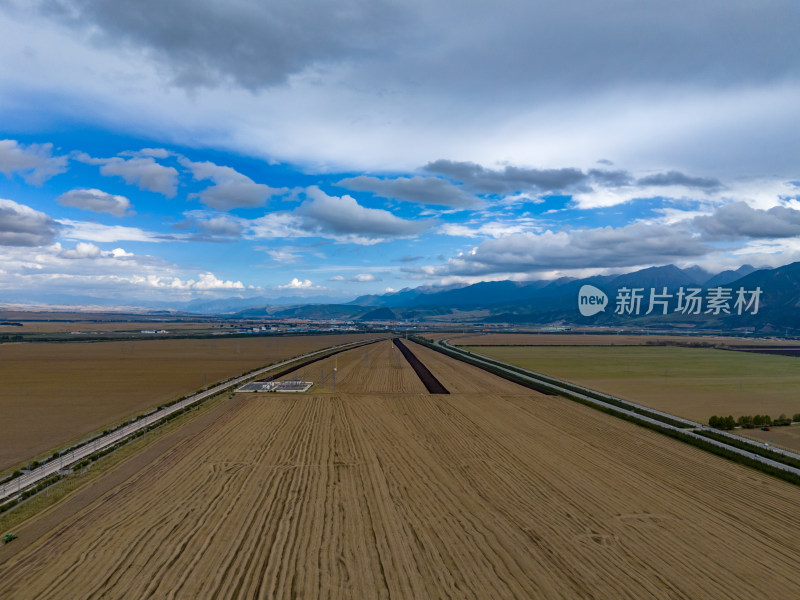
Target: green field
(694, 383)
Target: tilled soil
(492, 491)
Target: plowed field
(51, 394)
(492, 491)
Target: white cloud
(21, 225)
(96, 232)
(343, 218)
(359, 278)
(495, 228)
(82, 250)
(602, 248)
(205, 281)
(297, 284)
(35, 162)
(97, 201)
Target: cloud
(287, 255)
(327, 83)
(344, 217)
(492, 227)
(606, 247)
(97, 201)
(509, 179)
(35, 162)
(212, 224)
(144, 172)
(207, 281)
(253, 46)
(297, 284)
(97, 232)
(83, 250)
(738, 220)
(360, 278)
(155, 152)
(676, 178)
(21, 225)
(422, 190)
(232, 189)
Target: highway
(20, 484)
(563, 387)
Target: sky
(172, 150)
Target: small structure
(291, 385)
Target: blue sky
(173, 150)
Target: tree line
(751, 421)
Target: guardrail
(19, 484)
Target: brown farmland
(52, 394)
(575, 339)
(381, 491)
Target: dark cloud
(236, 194)
(422, 190)
(677, 178)
(738, 220)
(251, 44)
(509, 179)
(232, 189)
(611, 178)
(21, 225)
(96, 201)
(467, 46)
(145, 173)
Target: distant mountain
(669, 276)
(727, 277)
(404, 297)
(379, 314)
(556, 302)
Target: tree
(713, 421)
(728, 422)
(782, 420)
(746, 422)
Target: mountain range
(555, 302)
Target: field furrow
(490, 491)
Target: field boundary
(50, 471)
(755, 456)
(428, 379)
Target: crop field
(52, 394)
(694, 383)
(380, 490)
(556, 339)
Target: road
(553, 384)
(20, 484)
